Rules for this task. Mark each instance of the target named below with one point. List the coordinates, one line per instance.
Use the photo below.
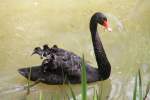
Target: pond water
(25, 24)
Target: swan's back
(62, 60)
(60, 66)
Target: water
(25, 24)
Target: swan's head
(102, 20)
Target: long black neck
(104, 66)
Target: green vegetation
(41, 96)
(138, 88)
(72, 93)
(138, 93)
(84, 80)
(28, 83)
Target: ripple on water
(116, 89)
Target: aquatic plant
(138, 88)
(138, 93)
(84, 80)
(28, 82)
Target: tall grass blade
(140, 85)
(41, 96)
(135, 89)
(147, 91)
(52, 97)
(95, 97)
(72, 93)
(28, 83)
(100, 92)
(66, 94)
(84, 80)
(56, 97)
(98, 97)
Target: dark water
(25, 24)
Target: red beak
(106, 25)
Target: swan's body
(61, 66)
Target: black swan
(60, 66)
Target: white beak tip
(109, 29)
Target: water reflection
(61, 91)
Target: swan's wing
(64, 60)
(37, 75)
(56, 67)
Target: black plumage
(61, 66)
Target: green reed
(84, 80)
(138, 88)
(28, 82)
(138, 93)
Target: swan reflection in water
(103, 88)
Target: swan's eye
(104, 19)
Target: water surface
(25, 24)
